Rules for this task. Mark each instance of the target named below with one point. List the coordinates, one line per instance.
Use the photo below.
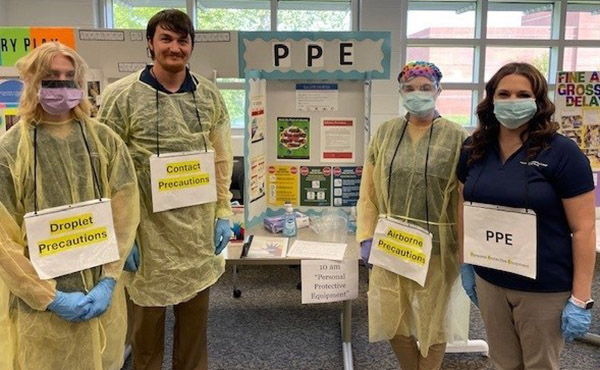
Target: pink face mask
(59, 97)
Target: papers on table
(317, 250)
(267, 247)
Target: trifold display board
(307, 101)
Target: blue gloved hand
(100, 297)
(467, 275)
(70, 306)
(365, 251)
(575, 321)
(133, 260)
(222, 235)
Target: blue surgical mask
(513, 114)
(418, 103)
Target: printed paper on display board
(338, 138)
(346, 186)
(257, 178)
(577, 100)
(257, 118)
(182, 179)
(317, 97)
(67, 239)
(282, 185)
(315, 186)
(329, 281)
(293, 138)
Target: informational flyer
(338, 138)
(257, 178)
(312, 97)
(257, 119)
(317, 250)
(329, 281)
(315, 186)
(293, 138)
(577, 101)
(346, 185)
(282, 182)
(8, 116)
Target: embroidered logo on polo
(535, 163)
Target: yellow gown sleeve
(114, 112)
(16, 269)
(125, 205)
(220, 137)
(367, 211)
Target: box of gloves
(275, 224)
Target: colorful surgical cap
(420, 69)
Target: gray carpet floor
(269, 329)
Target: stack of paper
(317, 250)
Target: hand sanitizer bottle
(352, 221)
(289, 224)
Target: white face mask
(418, 103)
(514, 113)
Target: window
(519, 20)
(234, 15)
(137, 13)
(439, 20)
(314, 16)
(470, 45)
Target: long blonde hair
(35, 67)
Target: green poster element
(12, 44)
(315, 186)
(293, 138)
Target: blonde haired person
(410, 177)
(56, 156)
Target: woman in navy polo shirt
(539, 245)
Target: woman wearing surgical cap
(409, 175)
(56, 155)
(533, 189)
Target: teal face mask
(418, 103)
(513, 114)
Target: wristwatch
(586, 305)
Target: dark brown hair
(173, 20)
(539, 129)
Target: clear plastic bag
(332, 226)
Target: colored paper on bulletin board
(293, 138)
(15, 42)
(577, 101)
(282, 182)
(346, 186)
(8, 117)
(315, 186)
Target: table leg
(346, 323)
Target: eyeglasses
(406, 88)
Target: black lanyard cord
(97, 187)
(426, 168)
(157, 118)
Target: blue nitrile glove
(100, 296)
(222, 235)
(575, 321)
(133, 260)
(467, 275)
(70, 306)
(365, 251)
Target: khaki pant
(190, 350)
(410, 358)
(523, 328)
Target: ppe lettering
(346, 57)
(405, 253)
(314, 53)
(281, 54)
(183, 182)
(497, 237)
(70, 224)
(180, 168)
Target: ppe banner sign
(501, 238)
(182, 179)
(72, 238)
(401, 248)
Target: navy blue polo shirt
(559, 172)
(187, 85)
